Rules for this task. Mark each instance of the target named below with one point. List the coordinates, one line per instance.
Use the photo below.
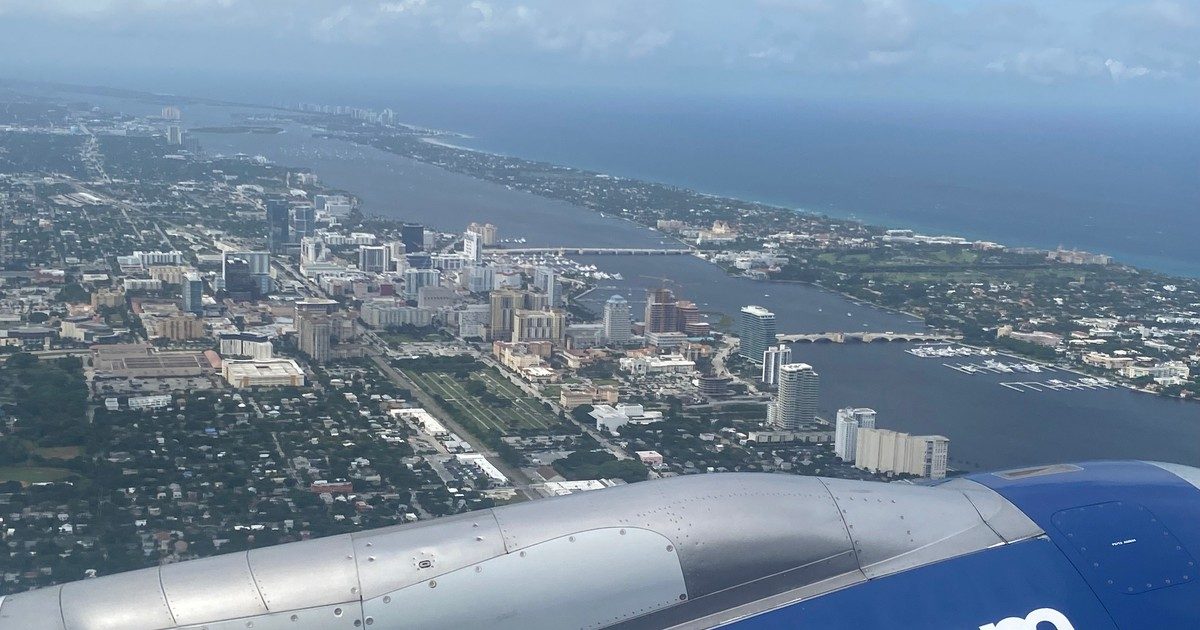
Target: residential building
(246, 344)
(795, 405)
(849, 421)
(891, 452)
(529, 325)
(472, 246)
(661, 311)
(757, 331)
(486, 231)
(775, 357)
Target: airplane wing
(1099, 545)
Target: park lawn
(523, 413)
(32, 474)
(59, 452)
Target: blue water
(1107, 181)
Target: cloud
(1124, 43)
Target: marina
(1086, 382)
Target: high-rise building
(278, 226)
(757, 331)
(849, 421)
(891, 452)
(472, 246)
(531, 325)
(396, 252)
(661, 311)
(775, 357)
(616, 320)
(246, 275)
(546, 281)
(414, 279)
(688, 316)
(171, 112)
(174, 135)
(504, 303)
(795, 405)
(304, 221)
(373, 258)
(193, 293)
(311, 250)
(480, 279)
(486, 231)
(413, 236)
(314, 333)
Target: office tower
(418, 260)
(775, 357)
(661, 311)
(174, 135)
(529, 325)
(236, 279)
(472, 246)
(849, 421)
(193, 293)
(171, 113)
(415, 278)
(246, 275)
(278, 226)
(617, 320)
(304, 221)
(796, 403)
(373, 258)
(396, 252)
(757, 331)
(546, 281)
(486, 231)
(413, 236)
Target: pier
(864, 337)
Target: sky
(1143, 53)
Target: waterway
(989, 426)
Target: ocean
(1111, 182)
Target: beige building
(538, 326)
(179, 327)
(262, 373)
(892, 452)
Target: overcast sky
(1134, 51)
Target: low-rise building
(262, 373)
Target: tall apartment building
(756, 327)
(849, 421)
(775, 357)
(662, 311)
(472, 246)
(795, 405)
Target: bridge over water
(865, 337)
